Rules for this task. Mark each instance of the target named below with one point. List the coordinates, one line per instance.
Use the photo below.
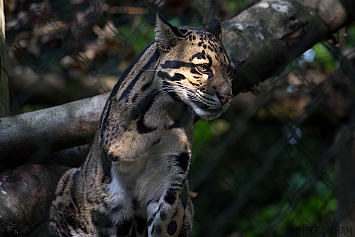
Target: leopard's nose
(224, 97)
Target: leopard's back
(134, 180)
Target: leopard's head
(194, 67)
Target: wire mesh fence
(278, 163)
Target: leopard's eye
(203, 68)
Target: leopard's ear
(214, 27)
(166, 35)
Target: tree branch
(55, 129)
(265, 38)
(345, 178)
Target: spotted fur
(134, 180)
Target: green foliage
(349, 36)
(234, 7)
(175, 21)
(258, 185)
(138, 35)
(324, 57)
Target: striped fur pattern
(134, 180)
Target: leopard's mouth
(208, 112)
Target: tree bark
(345, 179)
(261, 41)
(26, 193)
(265, 38)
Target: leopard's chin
(209, 113)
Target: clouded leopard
(134, 180)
